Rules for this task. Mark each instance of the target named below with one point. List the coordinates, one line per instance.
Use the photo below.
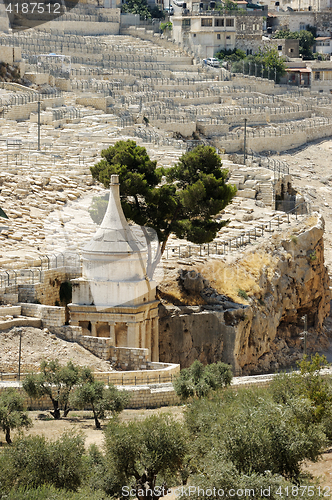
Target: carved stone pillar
(93, 328)
(155, 340)
(133, 335)
(112, 332)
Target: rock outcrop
(260, 330)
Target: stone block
(247, 193)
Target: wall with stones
(279, 141)
(264, 334)
(23, 112)
(184, 128)
(46, 291)
(140, 397)
(50, 316)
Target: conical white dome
(114, 235)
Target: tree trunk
(66, 410)
(97, 423)
(163, 246)
(176, 213)
(8, 440)
(56, 410)
(146, 488)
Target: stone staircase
(266, 193)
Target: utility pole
(38, 125)
(305, 333)
(19, 355)
(244, 141)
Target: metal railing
(33, 275)
(277, 166)
(233, 244)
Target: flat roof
(300, 70)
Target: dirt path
(82, 421)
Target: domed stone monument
(115, 297)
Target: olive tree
(199, 380)
(139, 452)
(56, 382)
(12, 412)
(102, 400)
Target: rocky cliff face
(257, 326)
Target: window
(229, 22)
(243, 27)
(194, 35)
(206, 21)
(186, 23)
(291, 50)
(219, 21)
(279, 47)
(218, 36)
(228, 37)
(317, 75)
(302, 26)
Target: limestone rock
(265, 334)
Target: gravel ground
(40, 344)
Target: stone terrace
(115, 83)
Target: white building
(207, 32)
(115, 297)
(323, 45)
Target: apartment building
(209, 31)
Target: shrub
(243, 294)
(33, 461)
(253, 433)
(198, 381)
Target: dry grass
(311, 221)
(171, 291)
(241, 275)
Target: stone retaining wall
(50, 316)
(5, 325)
(280, 142)
(141, 397)
(149, 396)
(46, 291)
(10, 311)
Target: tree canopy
(183, 199)
(231, 55)
(143, 451)
(305, 37)
(101, 399)
(33, 461)
(263, 63)
(142, 8)
(199, 380)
